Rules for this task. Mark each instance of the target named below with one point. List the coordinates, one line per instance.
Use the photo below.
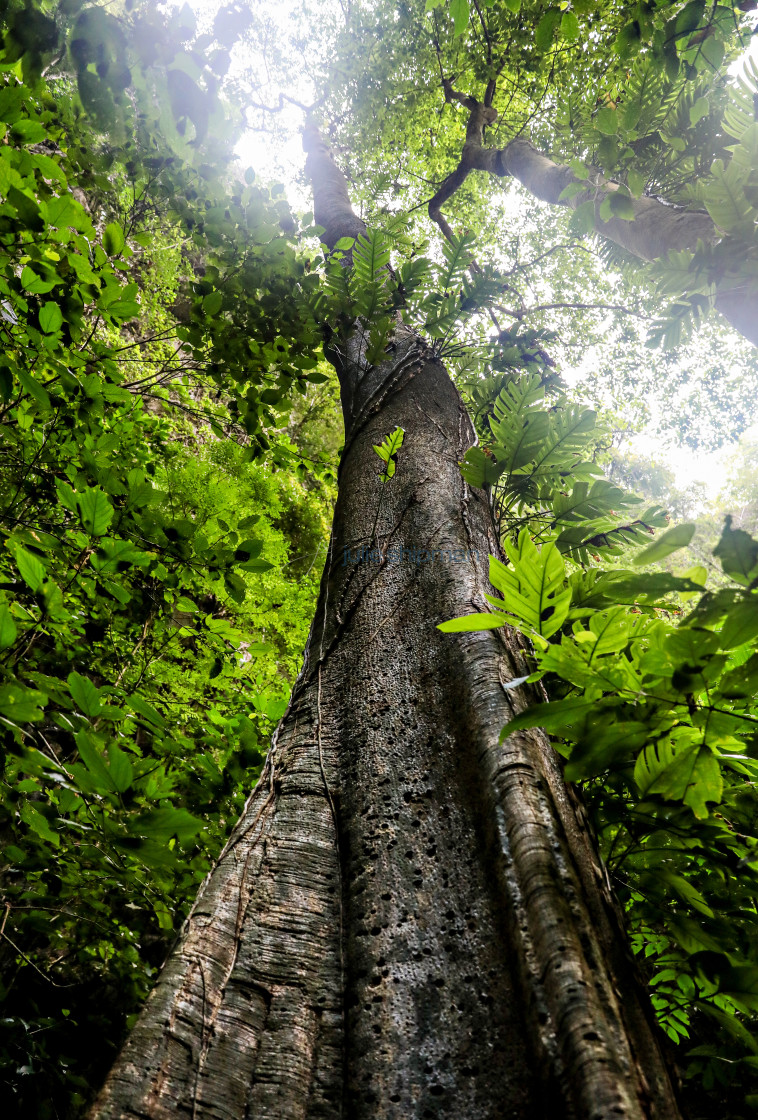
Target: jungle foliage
(147, 551)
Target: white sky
(279, 156)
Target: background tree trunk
(409, 920)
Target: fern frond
(371, 255)
(458, 255)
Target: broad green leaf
(673, 539)
(50, 318)
(459, 11)
(8, 631)
(113, 239)
(120, 768)
(469, 622)
(256, 565)
(607, 121)
(636, 181)
(556, 716)
(163, 914)
(546, 28)
(147, 711)
(212, 303)
(32, 817)
(569, 27)
(741, 624)
(164, 823)
(91, 755)
(66, 211)
(19, 704)
(84, 694)
(30, 567)
(738, 553)
(685, 889)
(533, 587)
(95, 511)
(680, 773)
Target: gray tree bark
(656, 229)
(410, 919)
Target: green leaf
(98, 774)
(459, 11)
(628, 40)
(557, 716)
(31, 569)
(387, 450)
(738, 553)
(32, 817)
(689, 17)
(673, 539)
(66, 211)
(543, 35)
(19, 704)
(8, 631)
(147, 711)
(699, 109)
(621, 206)
(680, 773)
(607, 121)
(583, 218)
(569, 27)
(457, 254)
(637, 182)
(50, 318)
(37, 284)
(120, 768)
(533, 587)
(741, 624)
(84, 694)
(469, 622)
(162, 824)
(95, 511)
(28, 132)
(212, 303)
(113, 239)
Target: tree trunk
(410, 919)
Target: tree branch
(655, 229)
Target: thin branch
(28, 960)
(580, 306)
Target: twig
(28, 960)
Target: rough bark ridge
(656, 229)
(409, 919)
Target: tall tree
(409, 918)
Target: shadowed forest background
(170, 438)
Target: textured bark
(410, 919)
(656, 230)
